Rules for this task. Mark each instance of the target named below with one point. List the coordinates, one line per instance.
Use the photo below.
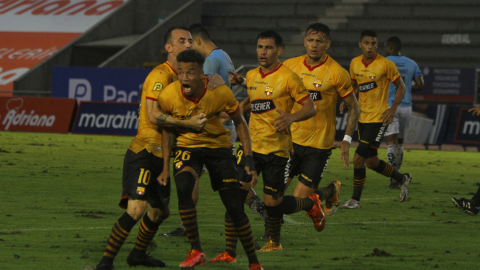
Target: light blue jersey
(408, 70)
(218, 62)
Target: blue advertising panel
(106, 118)
(98, 84)
(467, 129)
(447, 85)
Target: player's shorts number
(239, 156)
(185, 155)
(144, 176)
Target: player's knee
(371, 163)
(185, 182)
(358, 161)
(157, 214)
(136, 208)
(274, 211)
(231, 200)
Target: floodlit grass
(59, 199)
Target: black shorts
(140, 172)
(274, 171)
(220, 163)
(370, 135)
(310, 163)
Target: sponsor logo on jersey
(317, 83)
(253, 88)
(262, 105)
(268, 91)
(372, 76)
(365, 87)
(178, 165)
(158, 87)
(230, 180)
(315, 95)
(140, 190)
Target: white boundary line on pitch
(287, 220)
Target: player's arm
(236, 79)
(418, 84)
(389, 114)
(307, 111)
(157, 117)
(355, 92)
(245, 106)
(168, 142)
(352, 121)
(244, 135)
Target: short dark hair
(271, 34)
(319, 27)
(168, 35)
(368, 33)
(191, 56)
(395, 42)
(198, 30)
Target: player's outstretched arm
(389, 114)
(284, 121)
(236, 79)
(352, 121)
(244, 134)
(157, 117)
(168, 142)
(475, 111)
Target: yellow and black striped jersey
(325, 82)
(149, 136)
(211, 103)
(278, 89)
(373, 81)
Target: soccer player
(313, 139)
(471, 206)
(272, 91)
(396, 130)
(143, 163)
(371, 75)
(211, 147)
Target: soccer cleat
(394, 184)
(144, 260)
(466, 205)
(271, 246)
(102, 267)
(195, 257)
(180, 231)
(352, 204)
(331, 204)
(223, 257)
(316, 213)
(255, 266)
(404, 187)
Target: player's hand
(345, 154)
(164, 177)
(388, 115)
(235, 79)
(475, 111)
(254, 175)
(342, 107)
(197, 122)
(282, 122)
(214, 81)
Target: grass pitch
(59, 199)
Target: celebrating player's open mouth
(187, 89)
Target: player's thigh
(404, 120)
(222, 167)
(394, 127)
(274, 176)
(314, 162)
(140, 179)
(188, 159)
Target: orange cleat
(316, 213)
(195, 258)
(331, 204)
(255, 266)
(223, 257)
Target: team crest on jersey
(140, 190)
(317, 83)
(178, 165)
(372, 76)
(158, 87)
(268, 91)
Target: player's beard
(315, 58)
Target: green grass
(59, 198)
